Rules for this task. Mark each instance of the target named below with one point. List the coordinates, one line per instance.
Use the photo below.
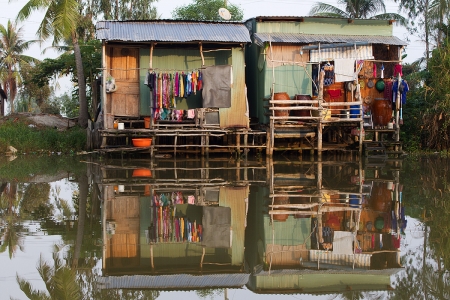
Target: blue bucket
(354, 201)
(355, 111)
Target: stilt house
(317, 78)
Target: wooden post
(104, 73)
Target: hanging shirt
(200, 81)
(182, 85)
(404, 88)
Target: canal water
(224, 228)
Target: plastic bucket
(355, 111)
(147, 122)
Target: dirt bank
(40, 120)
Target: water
(259, 229)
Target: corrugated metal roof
(299, 38)
(172, 31)
(179, 281)
(301, 272)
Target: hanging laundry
(334, 94)
(398, 70)
(344, 70)
(404, 88)
(217, 86)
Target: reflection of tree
(426, 272)
(64, 282)
(11, 237)
(60, 280)
(358, 295)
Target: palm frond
(327, 10)
(28, 290)
(400, 20)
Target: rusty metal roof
(172, 31)
(178, 281)
(300, 38)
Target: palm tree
(61, 21)
(11, 58)
(356, 9)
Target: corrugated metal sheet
(361, 52)
(328, 257)
(299, 38)
(179, 281)
(171, 31)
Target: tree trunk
(83, 187)
(83, 113)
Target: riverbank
(40, 134)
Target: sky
(251, 8)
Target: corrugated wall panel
(235, 116)
(235, 198)
(328, 26)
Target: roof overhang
(299, 38)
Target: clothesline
(153, 69)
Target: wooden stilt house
(316, 82)
(179, 83)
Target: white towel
(344, 69)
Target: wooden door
(124, 67)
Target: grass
(46, 140)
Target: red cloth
(388, 90)
(334, 94)
(398, 70)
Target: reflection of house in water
(177, 225)
(326, 228)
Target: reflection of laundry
(216, 227)
(344, 69)
(191, 199)
(191, 113)
(327, 234)
(343, 242)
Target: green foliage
(436, 100)
(30, 140)
(206, 10)
(127, 9)
(356, 9)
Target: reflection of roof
(178, 281)
(172, 31)
(320, 281)
(301, 38)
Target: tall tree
(61, 20)
(356, 9)
(206, 10)
(125, 9)
(12, 47)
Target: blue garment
(404, 88)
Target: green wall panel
(329, 26)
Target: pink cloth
(191, 113)
(191, 199)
